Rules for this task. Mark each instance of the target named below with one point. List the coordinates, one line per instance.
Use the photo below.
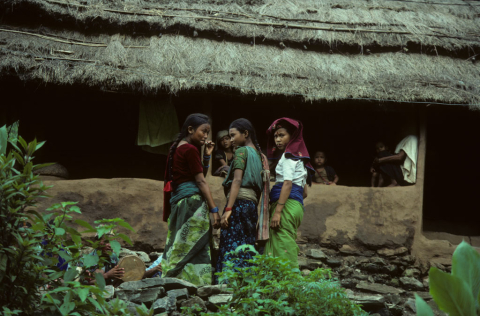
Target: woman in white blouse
(285, 144)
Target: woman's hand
(209, 146)
(275, 223)
(216, 220)
(225, 217)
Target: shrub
(458, 293)
(271, 287)
(29, 279)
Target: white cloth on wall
(409, 168)
(293, 170)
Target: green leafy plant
(30, 280)
(271, 287)
(458, 293)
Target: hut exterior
(402, 55)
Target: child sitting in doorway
(323, 174)
(386, 172)
(223, 155)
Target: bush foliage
(271, 287)
(30, 282)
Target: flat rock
(316, 254)
(349, 250)
(109, 292)
(126, 252)
(306, 272)
(167, 283)
(302, 263)
(410, 304)
(314, 264)
(146, 296)
(411, 284)
(154, 255)
(220, 299)
(378, 261)
(179, 294)
(165, 304)
(367, 300)
(143, 256)
(209, 290)
(392, 252)
(378, 288)
(195, 302)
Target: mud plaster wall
(365, 218)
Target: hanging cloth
(158, 125)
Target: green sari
(282, 242)
(187, 251)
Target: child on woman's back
(323, 174)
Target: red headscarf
(296, 148)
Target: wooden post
(422, 151)
(207, 109)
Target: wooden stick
(51, 38)
(283, 25)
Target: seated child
(323, 174)
(388, 171)
(110, 271)
(223, 155)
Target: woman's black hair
(194, 120)
(243, 125)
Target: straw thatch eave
(178, 63)
(451, 25)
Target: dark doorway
(452, 171)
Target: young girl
(323, 174)
(246, 184)
(186, 196)
(223, 155)
(285, 144)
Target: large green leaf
(90, 260)
(70, 274)
(422, 307)
(126, 225)
(125, 238)
(100, 280)
(115, 247)
(83, 293)
(451, 293)
(84, 224)
(3, 140)
(466, 266)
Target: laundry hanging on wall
(158, 125)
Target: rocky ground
(383, 281)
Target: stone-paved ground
(383, 281)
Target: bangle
(214, 210)
(228, 209)
(206, 157)
(206, 166)
(278, 203)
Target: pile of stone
(382, 281)
(167, 296)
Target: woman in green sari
(286, 147)
(187, 205)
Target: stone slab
(378, 288)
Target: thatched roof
(322, 50)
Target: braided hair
(193, 120)
(243, 125)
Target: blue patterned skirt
(242, 229)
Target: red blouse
(186, 164)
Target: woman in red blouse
(187, 205)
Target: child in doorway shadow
(386, 173)
(223, 155)
(323, 174)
